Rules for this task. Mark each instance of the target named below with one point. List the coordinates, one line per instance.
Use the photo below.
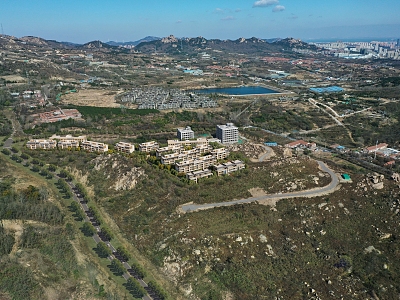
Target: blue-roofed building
(271, 144)
(327, 89)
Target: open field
(91, 97)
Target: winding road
(330, 188)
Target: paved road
(308, 193)
(265, 155)
(77, 197)
(8, 143)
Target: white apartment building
(125, 147)
(197, 142)
(192, 165)
(228, 133)
(185, 133)
(198, 174)
(220, 153)
(69, 137)
(66, 144)
(149, 146)
(41, 144)
(164, 150)
(229, 167)
(169, 159)
(94, 146)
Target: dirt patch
(92, 97)
(14, 78)
(257, 192)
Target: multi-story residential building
(197, 142)
(168, 149)
(68, 137)
(220, 153)
(125, 147)
(229, 167)
(192, 165)
(169, 159)
(41, 144)
(149, 146)
(228, 133)
(185, 133)
(94, 146)
(198, 174)
(66, 144)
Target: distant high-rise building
(398, 43)
(185, 133)
(227, 133)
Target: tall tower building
(228, 133)
(184, 134)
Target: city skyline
(123, 20)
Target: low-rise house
(125, 147)
(148, 146)
(375, 148)
(94, 146)
(390, 163)
(229, 167)
(41, 144)
(301, 144)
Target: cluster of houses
(194, 157)
(67, 142)
(31, 98)
(159, 98)
(56, 115)
(80, 142)
(301, 144)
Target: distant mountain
(135, 43)
(272, 40)
(174, 45)
(93, 45)
(169, 45)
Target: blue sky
(128, 20)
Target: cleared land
(91, 97)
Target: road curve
(330, 188)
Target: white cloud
(219, 11)
(278, 8)
(238, 10)
(264, 3)
(228, 18)
(178, 22)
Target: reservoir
(239, 91)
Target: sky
(129, 20)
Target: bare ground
(91, 97)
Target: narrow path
(330, 188)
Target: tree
(88, 229)
(107, 233)
(103, 250)
(124, 253)
(135, 288)
(117, 267)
